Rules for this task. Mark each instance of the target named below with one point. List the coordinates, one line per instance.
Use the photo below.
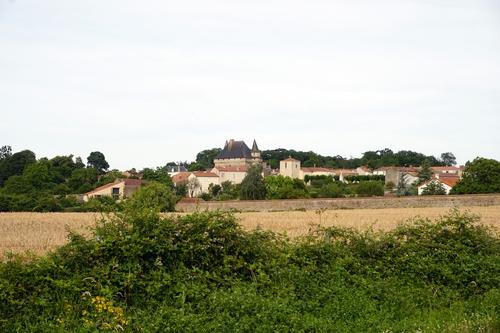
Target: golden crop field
(42, 232)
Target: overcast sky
(147, 82)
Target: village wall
(343, 203)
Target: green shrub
(145, 272)
(369, 189)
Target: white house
(446, 182)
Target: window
(115, 192)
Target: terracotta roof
(290, 159)
(128, 182)
(450, 181)
(204, 174)
(442, 168)
(231, 168)
(134, 182)
(345, 172)
(180, 177)
(315, 169)
(401, 169)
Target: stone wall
(342, 203)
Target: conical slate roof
(254, 146)
(235, 149)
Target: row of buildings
(236, 158)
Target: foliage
(390, 186)
(370, 188)
(229, 191)
(83, 180)
(97, 161)
(333, 190)
(425, 173)
(361, 178)
(14, 165)
(160, 174)
(141, 272)
(434, 188)
(253, 186)
(5, 152)
(479, 176)
(206, 158)
(154, 196)
(448, 159)
(281, 187)
(195, 167)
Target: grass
(39, 233)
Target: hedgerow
(146, 272)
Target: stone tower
(256, 152)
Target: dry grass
(42, 232)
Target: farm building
(119, 189)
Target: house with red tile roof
(448, 182)
(197, 182)
(119, 189)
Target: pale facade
(202, 180)
(290, 168)
(234, 174)
(447, 186)
(119, 189)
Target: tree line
(372, 159)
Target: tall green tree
(253, 186)
(434, 188)
(15, 164)
(482, 175)
(160, 174)
(448, 159)
(97, 160)
(83, 180)
(425, 173)
(206, 157)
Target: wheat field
(39, 233)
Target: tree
(402, 188)
(5, 151)
(160, 174)
(206, 158)
(370, 188)
(194, 166)
(79, 163)
(448, 159)
(82, 180)
(15, 164)
(154, 196)
(62, 167)
(425, 173)
(434, 188)
(253, 186)
(482, 175)
(97, 161)
(214, 190)
(193, 185)
(280, 187)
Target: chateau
(231, 164)
(237, 154)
